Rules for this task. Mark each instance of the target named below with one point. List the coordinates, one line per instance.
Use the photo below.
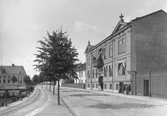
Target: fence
(74, 85)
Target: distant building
(132, 50)
(81, 70)
(7, 72)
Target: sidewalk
(53, 109)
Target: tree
(27, 80)
(35, 79)
(14, 79)
(57, 57)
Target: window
(88, 85)
(121, 68)
(105, 53)
(121, 46)
(110, 86)
(81, 74)
(105, 86)
(0, 76)
(105, 71)
(110, 51)
(4, 76)
(4, 81)
(0, 80)
(93, 85)
(96, 85)
(117, 86)
(110, 70)
(8, 80)
(88, 74)
(92, 73)
(88, 60)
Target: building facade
(81, 72)
(134, 54)
(7, 72)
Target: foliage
(56, 57)
(27, 80)
(35, 79)
(14, 79)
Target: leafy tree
(57, 57)
(14, 79)
(27, 80)
(35, 79)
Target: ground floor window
(88, 85)
(117, 86)
(110, 86)
(105, 86)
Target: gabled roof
(89, 46)
(120, 24)
(81, 67)
(12, 70)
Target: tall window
(105, 71)
(105, 53)
(88, 60)
(8, 80)
(110, 70)
(0, 80)
(80, 73)
(110, 51)
(92, 73)
(121, 46)
(4, 81)
(121, 68)
(88, 74)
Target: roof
(149, 15)
(12, 70)
(81, 67)
(119, 28)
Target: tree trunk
(54, 87)
(58, 95)
(50, 86)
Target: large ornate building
(134, 54)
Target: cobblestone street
(89, 103)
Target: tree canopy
(14, 79)
(27, 79)
(57, 57)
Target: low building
(6, 74)
(135, 54)
(81, 74)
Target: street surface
(97, 103)
(42, 103)
(81, 102)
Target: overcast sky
(24, 22)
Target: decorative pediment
(88, 47)
(120, 24)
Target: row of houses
(134, 54)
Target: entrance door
(146, 87)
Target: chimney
(13, 65)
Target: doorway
(146, 87)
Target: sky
(24, 22)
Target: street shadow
(120, 106)
(82, 95)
